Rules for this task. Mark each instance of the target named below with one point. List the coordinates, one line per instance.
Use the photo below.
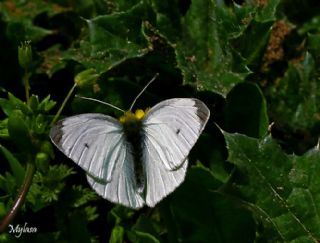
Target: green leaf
(267, 12)
(13, 103)
(19, 15)
(91, 212)
(313, 44)
(294, 101)
(257, 33)
(9, 184)
(204, 53)
(4, 129)
(168, 17)
(124, 5)
(141, 237)
(19, 131)
(117, 235)
(146, 225)
(115, 38)
(281, 190)
(202, 214)
(120, 213)
(46, 105)
(46, 187)
(311, 26)
(247, 113)
(25, 30)
(16, 167)
(80, 196)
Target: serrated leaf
(267, 12)
(114, 38)
(80, 196)
(257, 33)
(202, 214)
(294, 100)
(25, 30)
(204, 53)
(19, 15)
(46, 187)
(281, 190)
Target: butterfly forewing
(172, 127)
(92, 141)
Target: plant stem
(20, 198)
(63, 104)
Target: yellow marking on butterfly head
(130, 116)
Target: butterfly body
(140, 158)
(134, 135)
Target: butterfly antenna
(99, 101)
(145, 87)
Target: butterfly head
(130, 116)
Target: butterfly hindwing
(171, 128)
(122, 188)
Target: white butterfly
(138, 159)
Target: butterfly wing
(96, 143)
(172, 127)
(122, 188)
(91, 140)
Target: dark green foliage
(254, 173)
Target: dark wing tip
(56, 133)
(203, 111)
